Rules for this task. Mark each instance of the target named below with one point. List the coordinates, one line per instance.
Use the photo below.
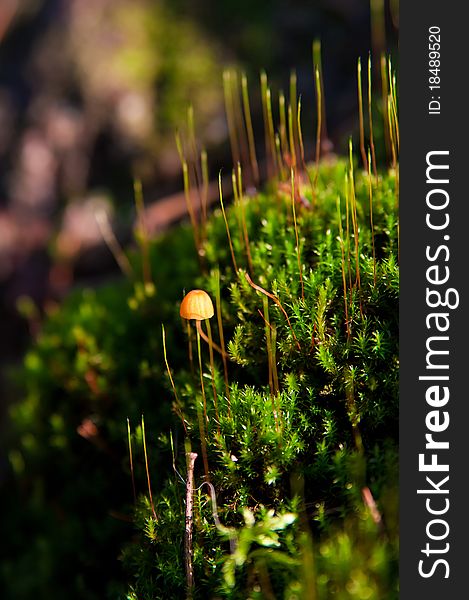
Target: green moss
(327, 435)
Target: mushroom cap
(197, 305)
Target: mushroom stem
(189, 345)
(202, 419)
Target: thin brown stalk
(112, 243)
(347, 230)
(391, 132)
(393, 102)
(283, 126)
(179, 147)
(190, 208)
(360, 114)
(205, 186)
(319, 125)
(392, 85)
(354, 217)
(212, 374)
(384, 96)
(268, 125)
(194, 159)
(273, 352)
(173, 386)
(370, 194)
(191, 133)
(235, 266)
(302, 148)
(277, 302)
(394, 90)
(222, 337)
(355, 226)
(249, 129)
(147, 469)
(263, 318)
(239, 121)
(393, 94)
(396, 126)
(300, 133)
(143, 231)
(230, 116)
(298, 252)
(370, 119)
(294, 106)
(267, 330)
(378, 28)
(291, 137)
(344, 283)
(279, 155)
(317, 61)
(269, 159)
(129, 438)
(236, 202)
(271, 340)
(243, 219)
(207, 340)
(271, 128)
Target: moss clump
(305, 442)
(303, 455)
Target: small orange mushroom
(197, 305)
